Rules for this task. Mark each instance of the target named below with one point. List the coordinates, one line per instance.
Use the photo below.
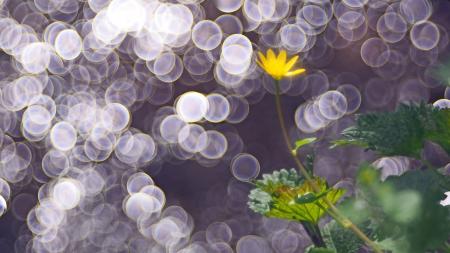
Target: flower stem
(314, 233)
(333, 211)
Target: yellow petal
(295, 72)
(262, 58)
(290, 63)
(282, 57)
(261, 65)
(270, 55)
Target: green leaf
(306, 198)
(429, 183)
(319, 250)
(403, 132)
(345, 142)
(310, 197)
(285, 195)
(302, 142)
(430, 229)
(403, 211)
(285, 199)
(398, 245)
(340, 238)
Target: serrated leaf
(302, 142)
(340, 239)
(284, 199)
(285, 195)
(402, 132)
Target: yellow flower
(278, 66)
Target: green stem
(333, 211)
(313, 232)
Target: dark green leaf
(341, 239)
(402, 132)
(310, 197)
(403, 211)
(306, 198)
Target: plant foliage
(402, 132)
(403, 211)
(319, 250)
(302, 142)
(340, 239)
(284, 194)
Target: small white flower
(446, 201)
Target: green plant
(319, 250)
(403, 212)
(402, 132)
(400, 215)
(286, 195)
(340, 239)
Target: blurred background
(135, 125)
